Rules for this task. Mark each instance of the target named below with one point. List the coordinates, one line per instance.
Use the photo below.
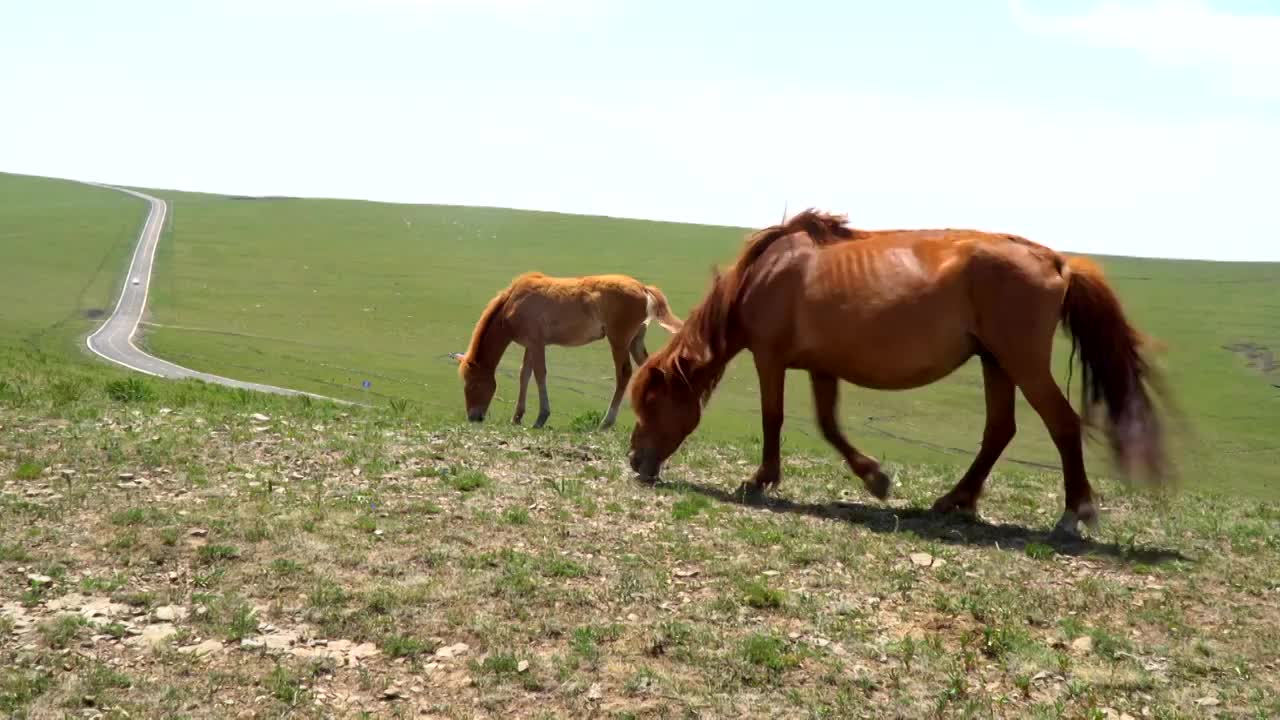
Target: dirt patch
(95, 313)
(1258, 357)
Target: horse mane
(482, 327)
(696, 354)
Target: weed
(586, 421)
(61, 630)
(28, 470)
(690, 505)
(130, 390)
(515, 516)
(467, 481)
(210, 554)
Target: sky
(1142, 127)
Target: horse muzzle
(475, 415)
(645, 463)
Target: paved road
(114, 340)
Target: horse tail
(1114, 371)
(657, 308)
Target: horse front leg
(1000, 429)
(826, 389)
(773, 380)
(526, 370)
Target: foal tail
(659, 309)
(1114, 371)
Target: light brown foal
(899, 309)
(536, 310)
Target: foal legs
(826, 392)
(526, 369)
(537, 356)
(999, 432)
(622, 375)
(638, 352)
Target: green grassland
(173, 549)
(324, 294)
(64, 247)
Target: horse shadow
(942, 528)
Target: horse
(901, 309)
(537, 310)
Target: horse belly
(888, 344)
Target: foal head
(478, 388)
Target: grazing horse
(536, 310)
(900, 309)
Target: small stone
(197, 532)
(38, 579)
(682, 572)
(169, 613)
(1207, 701)
(1082, 645)
(632, 617)
(259, 417)
(921, 559)
(392, 693)
(449, 651)
(68, 473)
(770, 573)
(522, 666)
(125, 476)
(1039, 676)
(208, 647)
(595, 693)
(154, 636)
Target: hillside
(323, 295)
(171, 549)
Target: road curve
(114, 339)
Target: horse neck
(492, 345)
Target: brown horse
(899, 309)
(536, 311)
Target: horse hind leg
(1043, 393)
(622, 376)
(538, 356)
(1000, 429)
(825, 394)
(638, 351)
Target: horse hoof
(1067, 529)
(1089, 516)
(877, 483)
(750, 492)
(947, 505)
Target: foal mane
(490, 312)
(697, 353)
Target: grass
(553, 582)
(63, 250)
(502, 569)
